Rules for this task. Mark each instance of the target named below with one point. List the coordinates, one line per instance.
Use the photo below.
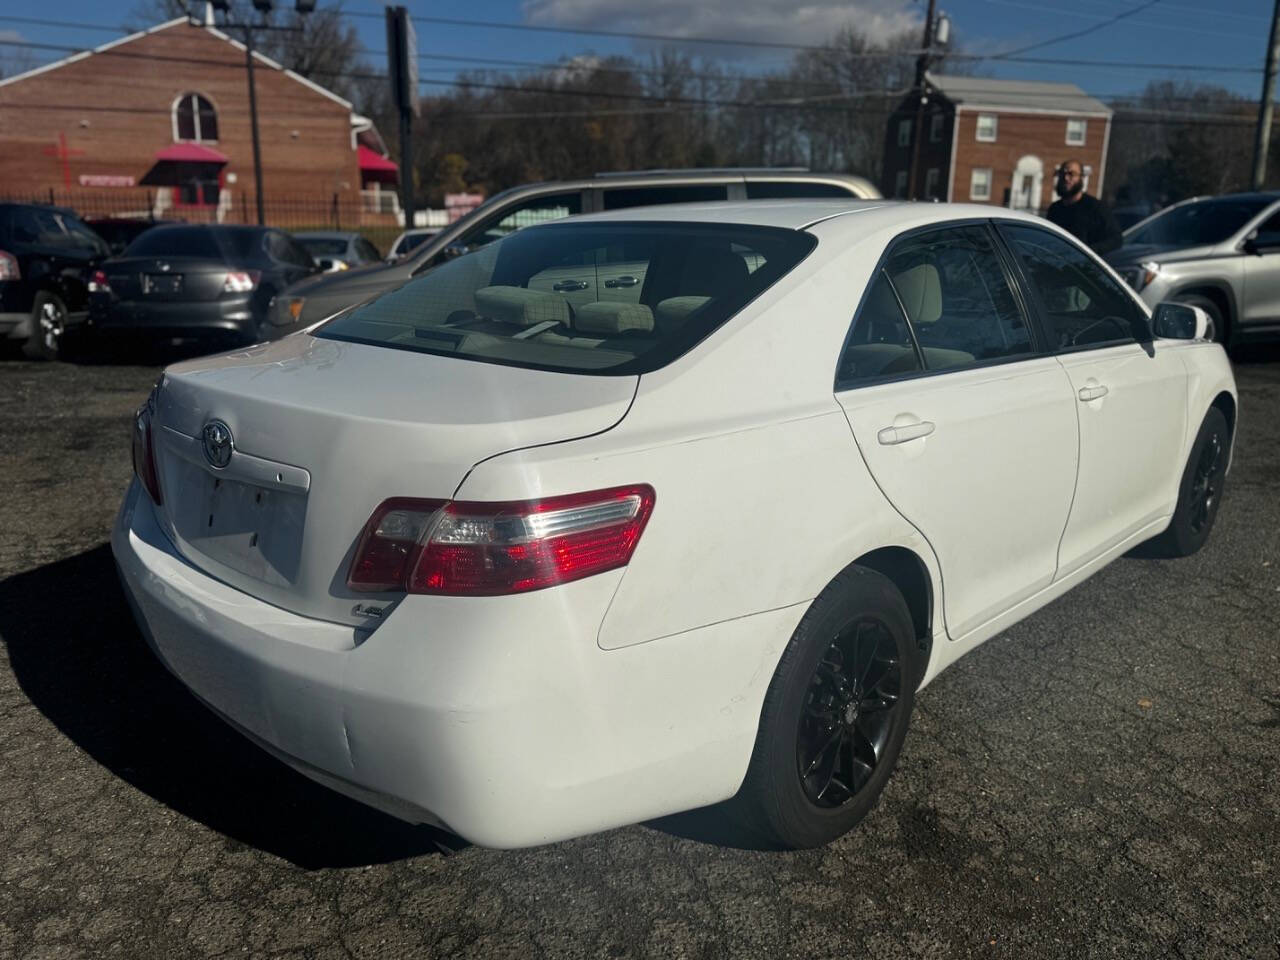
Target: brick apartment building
(995, 141)
(158, 123)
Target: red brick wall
(306, 137)
(1019, 135)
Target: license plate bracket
(164, 283)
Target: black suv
(46, 257)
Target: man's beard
(1064, 191)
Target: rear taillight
(487, 549)
(144, 457)
(240, 281)
(9, 269)
(98, 282)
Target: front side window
(904, 133)
(987, 127)
(623, 197)
(957, 298)
(1199, 222)
(1075, 133)
(1081, 305)
(980, 184)
(544, 209)
(606, 298)
(194, 119)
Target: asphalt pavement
(1102, 780)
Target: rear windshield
(607, 298)
(214, 243)
(323, 246)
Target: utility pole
(922, 68)
(402, 71)
(1263, 138)
(253, 120)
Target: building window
(900, 185)
(987, 127)
(194, 119)
(980, 184)
(935, 127)
(931, 183)
(1075, 133)
(904, 133)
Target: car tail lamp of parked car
(9, 269)
(489, 549)
(241, 281)
(144, 457)
(98, 282)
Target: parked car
(409, 240)
(119, 232)
(544, 202)
(46, 254)
(205, 282)
(1221, 254)
(526, 551)
(338, 251)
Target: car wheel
(1200, 493)
(48, 328)
(835, 715)
(1215, 316)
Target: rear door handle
(912, 431)
(565, 286)
(621, 282)
(1092, 393)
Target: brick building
(158, 123)
(995, 141)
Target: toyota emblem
(217, 443)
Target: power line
(1078, 33)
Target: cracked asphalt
(1102, 780)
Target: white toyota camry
(633, 513)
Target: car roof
(800, 214)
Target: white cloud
(776, 21)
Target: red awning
(190, 153)
(373, 162)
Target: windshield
(213, 243)
(323, 246)
(1202, 222)
(611, 298)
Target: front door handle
(912, 431)
(566, 286)
(1095, 392)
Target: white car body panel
(516, 720)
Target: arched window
(194, 119)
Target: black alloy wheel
(1199, 494)
(849, 713)
(48, 328)
(835, 715)
(1206, 483)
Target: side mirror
(1180, 321)
(324, 264)
(1250, 244)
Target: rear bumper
(15, 325)
(500, 719)
(217, 318)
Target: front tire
(835, 716)
(1200, 493)
(48, 328)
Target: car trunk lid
(322, 431)
(166, 279)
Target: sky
(1186, 33)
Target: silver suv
(1221, 254)
(310, 301)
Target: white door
(970, 436)
(1130, 396)
(1028, 181)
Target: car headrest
(713, 271)
(920, 288)
(674, 311)
(608, 317)
(521, 307)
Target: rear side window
(957, 298)
(787, 189)
(609, 298)
(1081, 305)
(620, 198)
(880, 343)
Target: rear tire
(1200, 493)
(48, 328)
(835, 716)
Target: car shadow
(79, 657)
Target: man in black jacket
(1084, 217)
